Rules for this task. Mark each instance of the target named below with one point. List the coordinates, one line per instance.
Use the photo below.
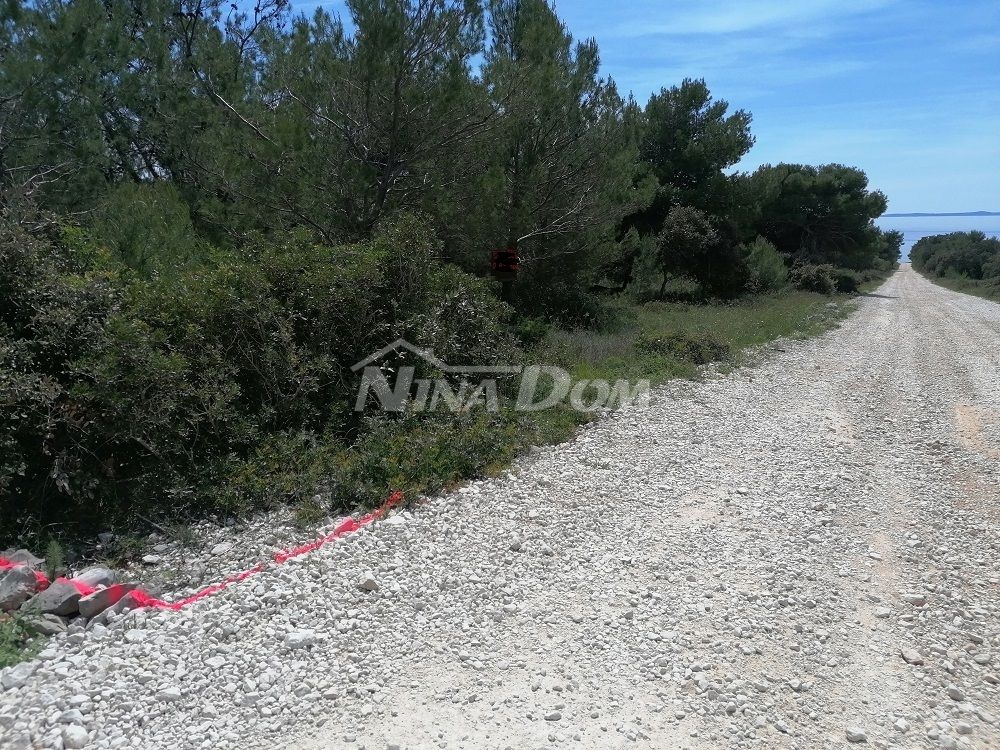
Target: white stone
(169, 694)
(75, 737)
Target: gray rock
(169, 694)
(16, 586)
(135, 635)
(856, 734)
(917, 600)
(151, 560)
(222, 548)
(127, 602)
(45, 624)
(367, 582)
(911, 656)
(22, 557)
(75, 737)
(984, 715)
(96, 576)
(94, 604)
(955, 693)
(553, 716)
(72, 716)
(61, 598)
(17, 676)
(300, 639)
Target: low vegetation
(964, 261)
(17, 642)
(208, 217)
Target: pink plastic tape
(143, 599)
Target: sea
(915, 227)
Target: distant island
(963, 213)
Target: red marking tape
(144, 599)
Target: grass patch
(873, 280)
(17, 642)
(986, 289)
(656, 341)
(659, 341)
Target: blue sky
(908, 90)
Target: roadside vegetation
(964, 261)
(17, 641)
(208, 217)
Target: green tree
(367, 124)
(688, 141)
(563, 166)
(817, 215)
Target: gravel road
(802, 554)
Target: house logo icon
(428, 356)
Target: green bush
(767, 269)
(971, 255)
(846, 281)
(696, 348)
(218, 388)
(148, 227)
(424, 455)
(814, 278)
(991, 268)
(16, 640)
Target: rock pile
(49, 607)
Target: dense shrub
(972, 255)
(766, 266)
(53, 308)
(991, 268)
(213, 388)
(148, 227)
(424, 455)
(846, 281)
(814, 278)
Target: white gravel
(742, 565)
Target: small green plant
(309, 512)
(182, 533)
(55, 559)
(16, 642)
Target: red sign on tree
(504, 263)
